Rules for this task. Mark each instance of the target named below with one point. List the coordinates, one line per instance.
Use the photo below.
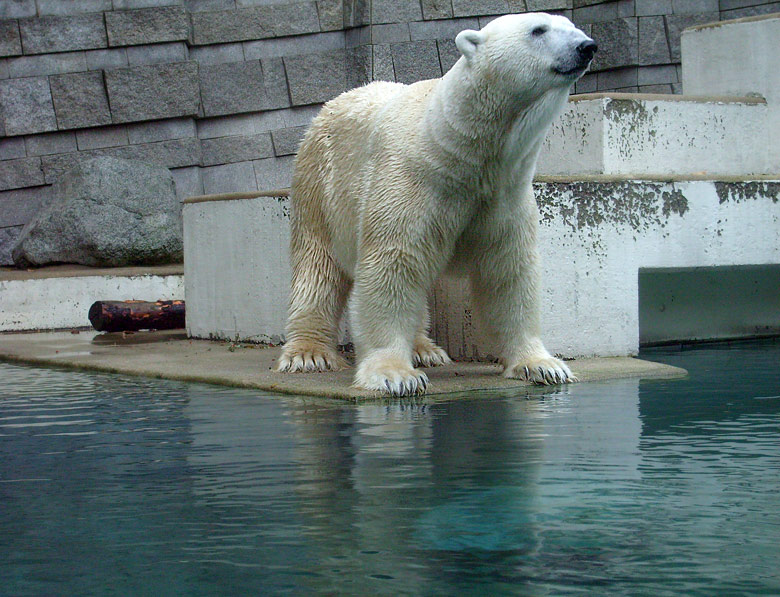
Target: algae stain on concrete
(748, 190)
(592, 204)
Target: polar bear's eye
(538, 31)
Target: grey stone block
(107, 136)
(106, 212)
(395, 11)
(357, 13)
(10, 42)
(618, 44)
(47, 64)
(383, 64)
(543, 5)
(69, 7)
(19, 206)
(208, 5)
(218, 54)
(80, 100)
(254, 23)
(301, 116)
(12, 148)
(658, 75)
(316, 78)
(656, 88)
(8, 238)
(153, 92)
(189, 182)
(293, 46)
(392, 32)
(157, 53)
(106, 59)
(471, 8)
(274, 173)
(12, 9)
(49, 143)
(26, 106)
(448, 53)
(588, 83)
(176, 153)
(676, 23)
(228, 150)
(596, 13)
(357, 67)
(17, 174)
(63, 33)
(3, 68)
(275, 81)
(436, 9)
(234, 125)
(147, 26)
(239, 87)
(133, 4)
(696, 6)
(357, 36)
(229, 178)
(646, 8)
(286, 141)
(416, 61)
(620, 78)
(331, 14)
(161, 130)
(653, 47)
(441, 29)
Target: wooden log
(127, 316)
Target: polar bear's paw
(428, 354)
(309, 357)
(545, 370)
(390, 375)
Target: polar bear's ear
(467, 42)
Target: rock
(106, 212)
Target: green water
(120, 486)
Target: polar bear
(395, 185)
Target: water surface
(115, 485)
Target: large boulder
(106, 212)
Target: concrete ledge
(169, 355)
(59, 297)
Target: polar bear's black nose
(587, 49)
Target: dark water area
(113, 485)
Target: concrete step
(640, 135)
(59, 297)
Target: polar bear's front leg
(388, 303)
(505, 289)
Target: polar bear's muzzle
(579, 60)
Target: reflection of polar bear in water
(396, 184)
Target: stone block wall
(220, 91)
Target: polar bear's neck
(480, 127)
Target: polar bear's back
(326, 182)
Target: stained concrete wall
(595, 236)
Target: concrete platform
(171, 355)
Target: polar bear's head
(526, 51)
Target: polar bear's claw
(392, 380)
(307, 361)
(544, 371)
(428, 354)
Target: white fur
(395, 184)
